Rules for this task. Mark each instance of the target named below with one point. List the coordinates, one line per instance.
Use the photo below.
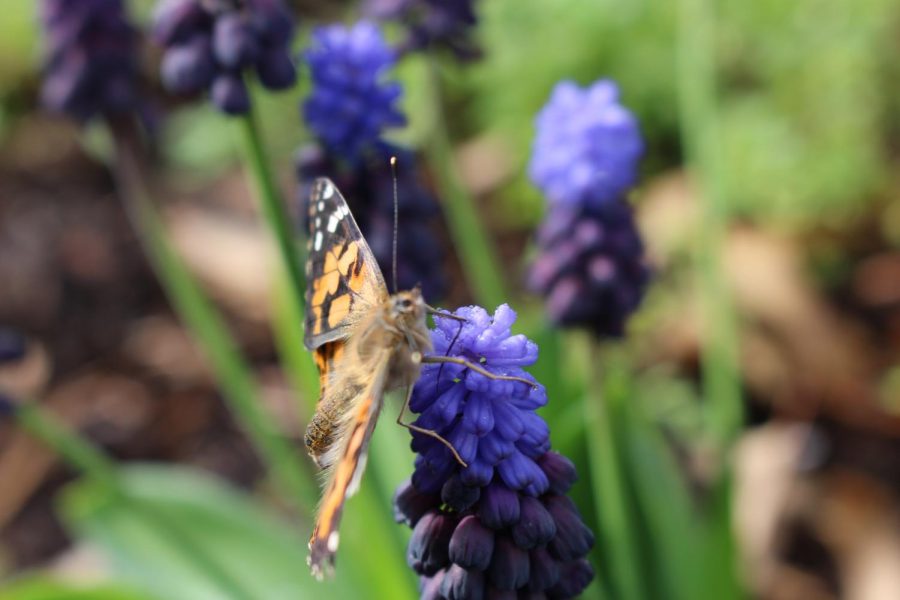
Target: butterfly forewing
(343, 278)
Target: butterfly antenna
(447, 353)
(396, 221)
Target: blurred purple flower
(12, 345)
(587, 146)
(501, 525)
(431, 23)
(368, 188)
(90, 62)
(351, 103)
(209, 43)
(590, 268)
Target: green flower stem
(480, 264)
(697, 106)
(74, 449)
(232, 372)
(271, 205)
(612, 502)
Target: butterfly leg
(480, 370)
(443, 314)
(423, 431)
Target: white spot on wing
(318, 244)
(333, 541)
(327, 190)
(320, 206)
(333, 221)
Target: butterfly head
(408, 306)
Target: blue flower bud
(573, 539)
(535, 526)
(230, 94)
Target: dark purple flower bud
(573, 539)
(188, 68)
(230, 94)
(175, 21)
(458, 495)
(495, 594)
(560, 472)
(573, 580)
(275, 69)
(209, 43)
(535, 526)
(428, 548)
(510, 568)
(13, 345)
(430, 587)
(90, 61)
(410, 504)
(472, 544)
(499, 506)
(234, 41)
(431, 23)
(462, 584)
(272, 22)
(545, 570)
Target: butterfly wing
(344, 475)
(343, 278)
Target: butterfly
(365, 342)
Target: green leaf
(41, 588)
(210, 540)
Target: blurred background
(808, 117)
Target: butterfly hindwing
(343, 278)
(345, 472)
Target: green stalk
(272, 207)
(232, 372)
(71, 447)
(479, 259)
(612, 501)
(697, 106)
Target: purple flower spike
(511, 532)
(591, 269)
(587, 147)
(431, 23)
(351, 103)
(90, 62)
(208, 44)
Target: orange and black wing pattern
(344, 475)
(343, 278)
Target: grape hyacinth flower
(368, 188)
(351, 103)
(210, 43)
(502, 526)
(90, 64)
(587, 146)
(431, 23)
(591, 267)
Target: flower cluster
(501, 525)
(431, 23)
(587, 146)
(209, 43)
(591, 267)
(351, 103)
(90, 64)
(368, 188)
